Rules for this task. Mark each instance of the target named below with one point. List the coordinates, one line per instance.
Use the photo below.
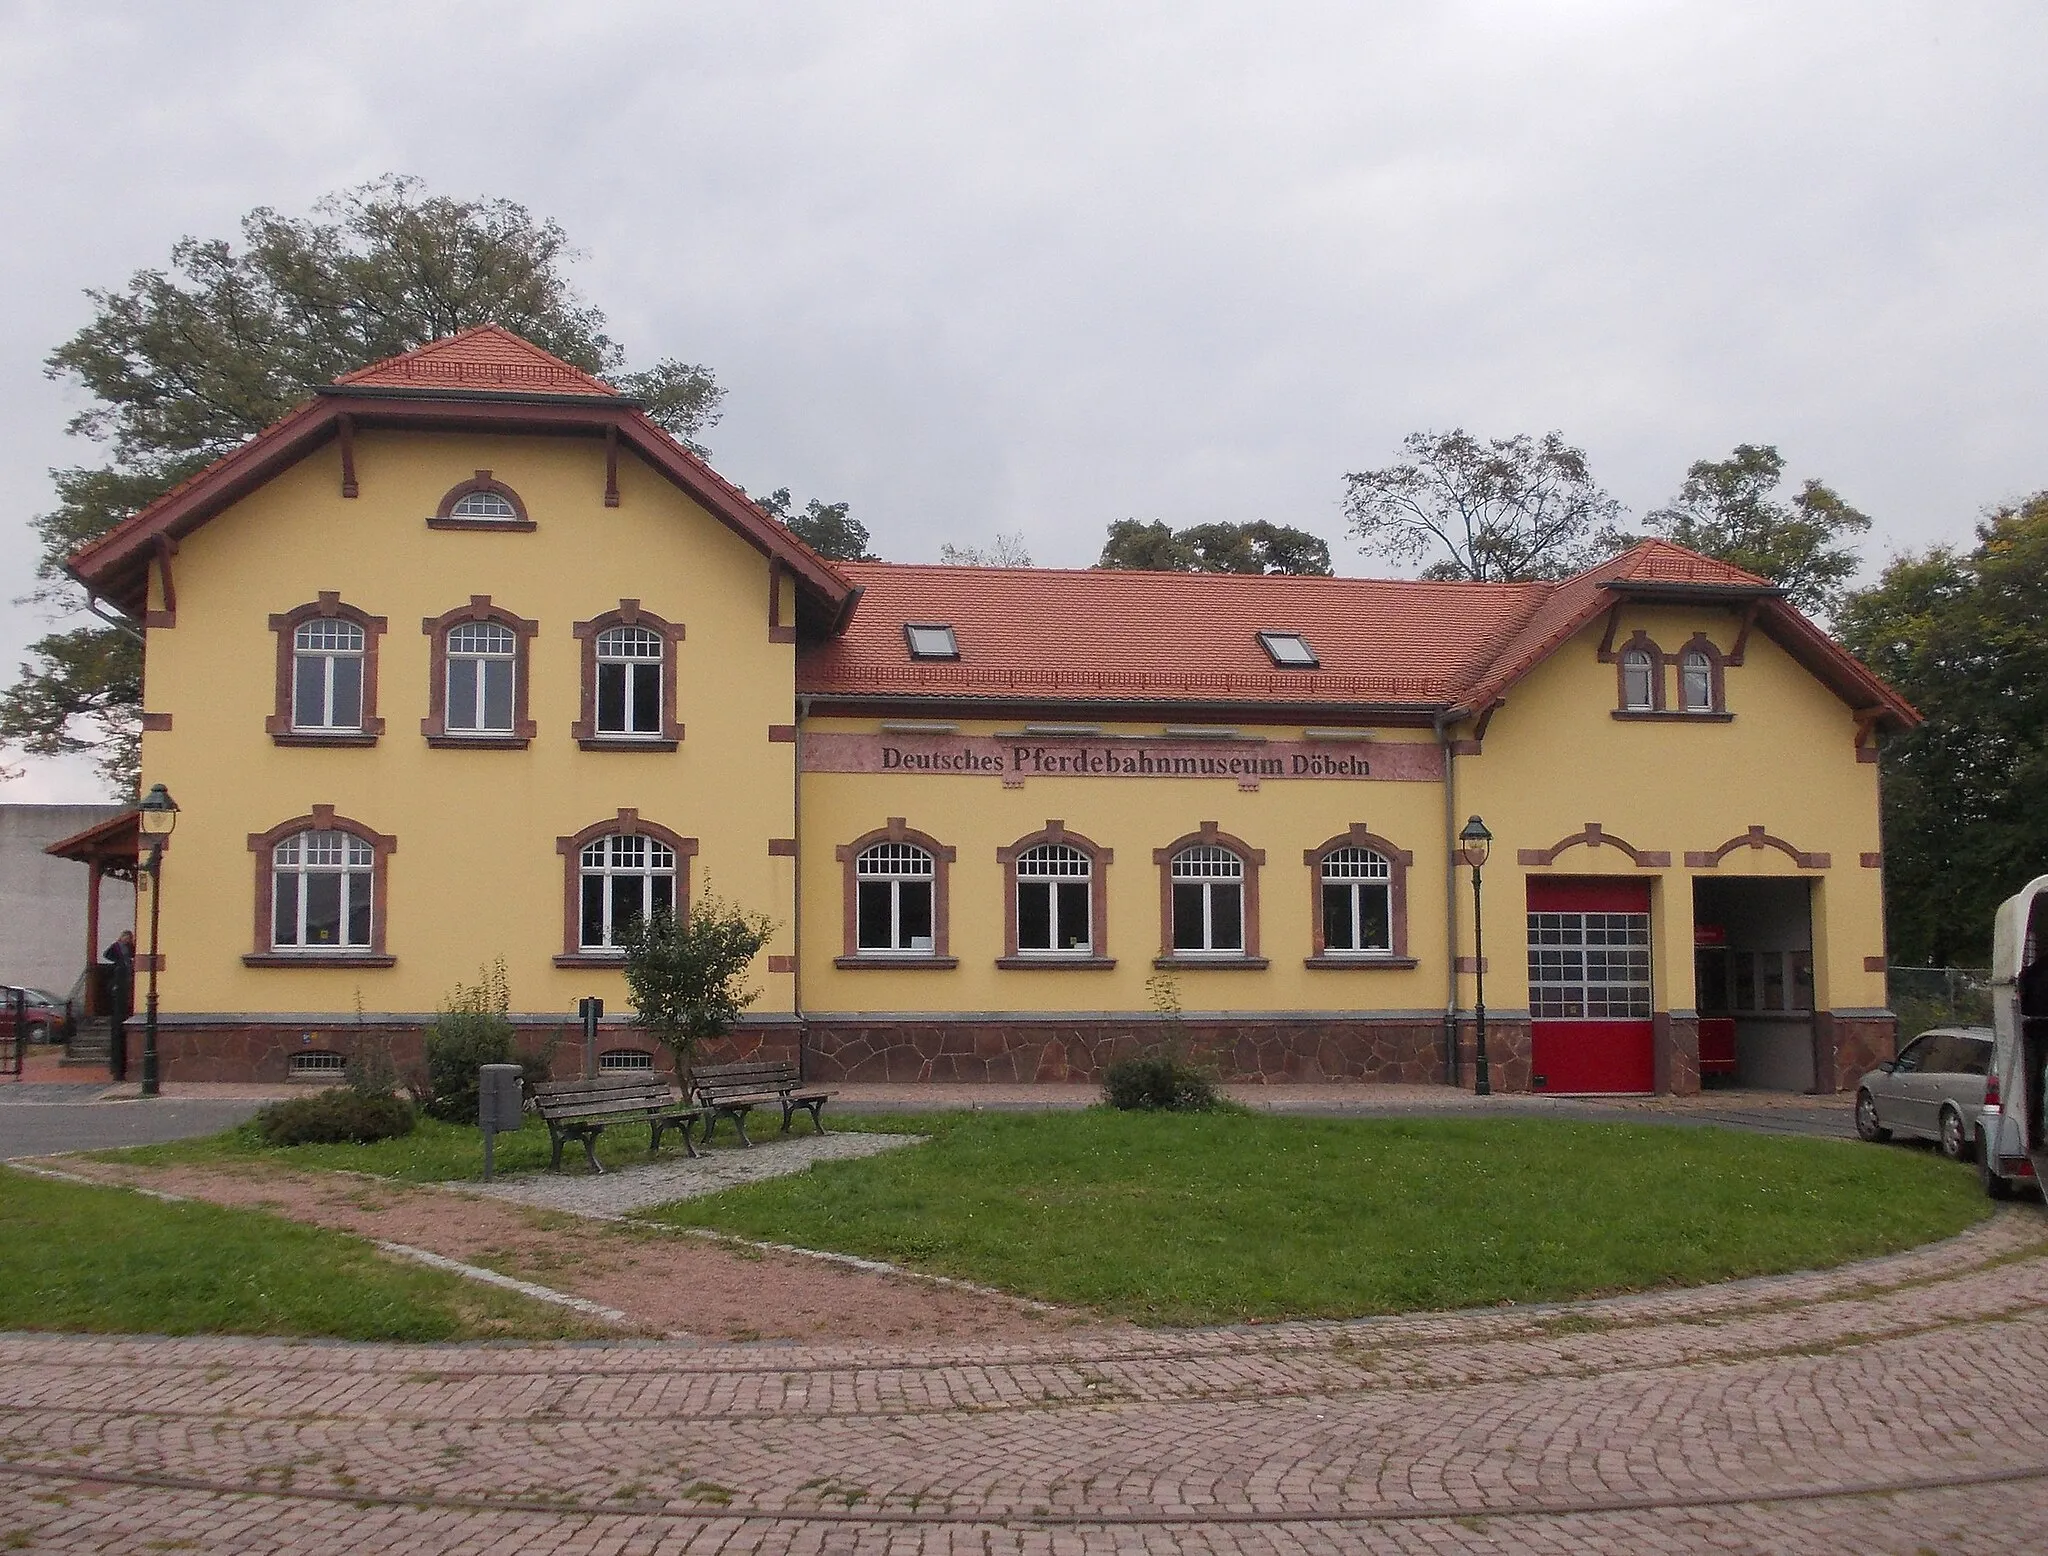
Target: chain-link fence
(1923, 997)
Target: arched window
(483, 505)
(321, 896)
(1638, 687)
(629, 681)
(483, 502)
(1695, 682)
(627, 878)
(320, 892)
(1055, 913)
(894, 900)
(327, 676)
(478, 695)
(1208, 902)
(1357, 902)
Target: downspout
(796, 910)
(1443, 723)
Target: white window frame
(496, 632)
(1356, 871)
(1048, 867)
(488, 505)
(648, 649)
(898, 865)
(1213, 868)
(312, 854)
(609, 859)
(331, 655)
(1695, 669)
(1638, 680)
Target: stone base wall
(1846, 1047)
(262, 1051)
(1315, 1048)
(1676, 1055)
(1508, 1047)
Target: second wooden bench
(733, 1090)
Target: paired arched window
(1638, 680)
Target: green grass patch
(1176, 1219)
(433, 1153)
(104, 1260)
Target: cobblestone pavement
(1894, 1407)
(622, 1190)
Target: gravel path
(622, 1190)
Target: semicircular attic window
(482, 502)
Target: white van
(2012, 1134)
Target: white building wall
(42, 900)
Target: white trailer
(2012, 1133)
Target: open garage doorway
(1753, 982)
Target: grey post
(588, 1009)
(498, 1105)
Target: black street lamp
(1477, 843)
(159, 817)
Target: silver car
(1932, 1090)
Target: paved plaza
(1892, 1406)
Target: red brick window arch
(1055, 900)
(1209, 901)
(322, 892)
(477, 682)
(896, 900)
(326, 675)
(616, 873)
(481, 503)
(629, 681)
(1358, 883)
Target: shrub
(1158, 1082)
(370, 1072)
(471, 1031)
(330, 1117)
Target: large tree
(1960, 634)
(1501, 510)
(1731, 509)
(826, 527)
(182, 364)
(1256, 547)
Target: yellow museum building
(1006, 821)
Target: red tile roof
(1051, 636)
(486, 357)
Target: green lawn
(104, 1260)
(1229, 1217)
(433, 1153)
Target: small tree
(686, 974)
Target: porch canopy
(110, 847)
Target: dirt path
(668, 1283)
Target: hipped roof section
(1402, 649)
(484, 379)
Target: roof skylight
(931, 640)
(1289, 650)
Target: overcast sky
(1037, 267)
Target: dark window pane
(1802, 979)
(358, 910)
(462, 694)
(323, 909)
(1375, 919)
(646, 700)
(1976, 1057)
(1187, 917)
(285, 920)
(1226, 916)
(1034, 915)
(914, 911)
(1744, 965)
(875, 927)
(1073, 932)
(497, 694)
(1337, 926)
(348, 694)
(629, 901)
(309, 691)
(1710, 981)
(611, 699)
(593, 910)
(1773, 979)
(663, 890)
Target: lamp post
(159, 817)
(1477, 843)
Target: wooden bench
(583, 1110)
(733, 1090)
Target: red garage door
(1589, 985)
